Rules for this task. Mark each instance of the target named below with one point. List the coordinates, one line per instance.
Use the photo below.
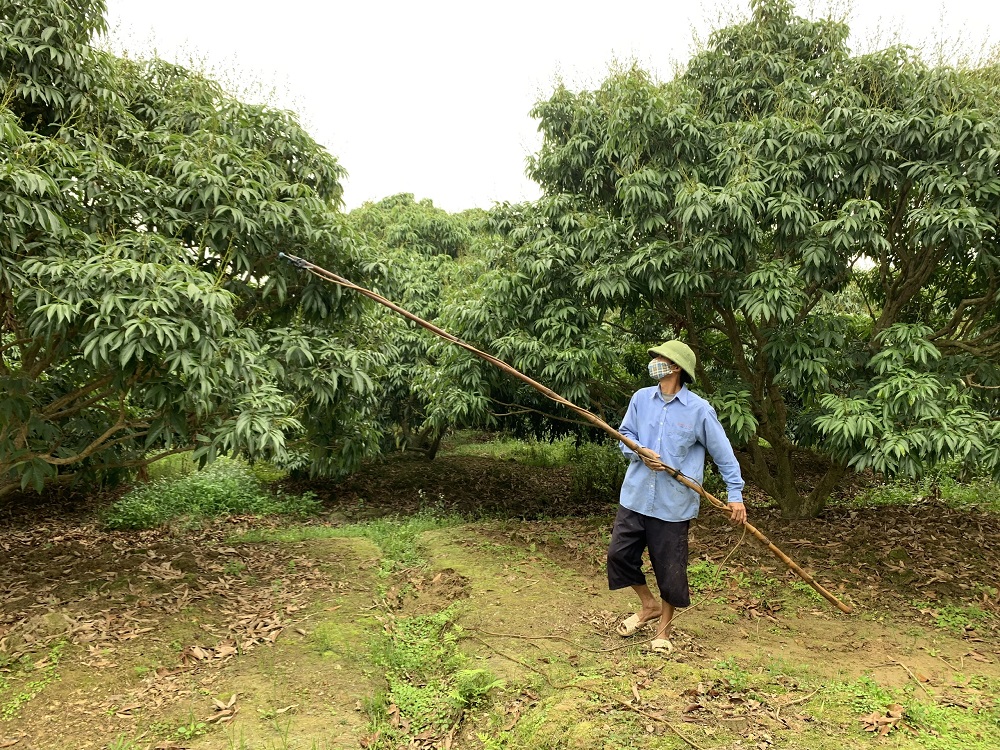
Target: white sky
(431, 97)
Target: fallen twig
(803, 699)
(914, 677)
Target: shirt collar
(681, 395)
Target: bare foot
(648, 613)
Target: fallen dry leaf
(220, 706)
(512, 721)
(125, 711)
(883, 723)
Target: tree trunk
(435, 444)
(775, 471)
(427, 441)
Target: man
(668, 421)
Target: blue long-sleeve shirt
(680, 430)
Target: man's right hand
(651, 459)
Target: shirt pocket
(680, 441)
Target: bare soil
(160, 630)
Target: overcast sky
(432, 97)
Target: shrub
(598, 471)
(224, 487)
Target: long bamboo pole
(590, 417)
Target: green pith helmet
(679, 353)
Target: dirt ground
(188, 637)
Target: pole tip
(281, 256)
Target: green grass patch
(934, 726)
(397, 538)
(173, 467)
(428, 684)
(183, 464)
(124, 742)
(597, 469)
(223, 488)
(980, 492)
(955, 618)
(540, 453)
(828, 712)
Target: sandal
(632, 624)
(661, 646)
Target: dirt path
(154, 659)
(757, 659)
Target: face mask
(659, 370)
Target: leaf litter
(109, 592)
(112, 594)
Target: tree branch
(52, 410)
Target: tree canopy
(141, 308)
(821, 227)
(418, 256)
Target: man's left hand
(737, 513)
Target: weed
(939, 727)
(234, 743)
(266, 473)
(192, 729)
(597, 468)
(865, 695)
(234, 568)
(985, 590)
(945, 483)
(597, 471)
(760, 580)
(172, 467)
(222, 488)
(736, 675)
(427, 682)
(805, 589)
(954, 618)
(12, 707)
(122, 742)
(283, 729)
(713, 482)
(704, 576)
(472, 685)
(544, 454)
